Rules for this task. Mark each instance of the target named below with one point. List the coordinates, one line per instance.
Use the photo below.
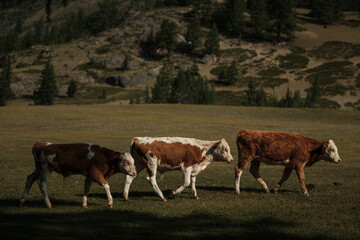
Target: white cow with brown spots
(189, 155)
(94, 162)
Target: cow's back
(272, 145)
(172, 154)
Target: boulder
(208, 59)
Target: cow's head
(127, 164)
(330, 151)
(222, 151)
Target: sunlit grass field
(331, 212)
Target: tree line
(256, 96)
(185, 86)
(78, 25)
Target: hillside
(331, 55)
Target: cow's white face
(127, 164)
(331, 152)
(223, 151)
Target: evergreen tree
(166, 37)
(326, 11)
(282, 14)
(193, 33)
(258, 16)
(251, 94)
(261, 98)
(5, 81)
(12, 41)
(297, 99)
(138, 99)
(71, 89)
(212, 45)
(48, 89)
(235, 17)
(313, 94)
(147, 98)
(162, 88)
(149, 46)
(125, 63)
(229, 75)
(19, 25)
(288, 101)
(39, 32)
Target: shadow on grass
(110, 223)
(38, 203)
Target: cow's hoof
(196, 197)
(110, 205)
(22, 201)
(237, 192)
(172, 193)
(85, 206)
(164, 199)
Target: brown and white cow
(279, 148)
(189, 155)
(94, 162)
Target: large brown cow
(289, 149)
(189, 155)
(94, 162)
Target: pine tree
(193, 33)
(71, 89)
(212, 45)
(251, 94)
(230, 74)
(258, 16)
(297, 99)
(166, 37)
(282, 15)
(5, 81)
(147, 98)
(162, 88)
(288, 101)
(326, 11)
(261, 99)
(313, 94)
(125, 63)
(48, 89)
(235, 17)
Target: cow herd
(189, 155)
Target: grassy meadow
(331, 212)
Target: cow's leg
(42, 181)
(151, 175)
(87, 187)
(239, 168)
(187, 176)
(286, 174)
(99, 178)
(29, 182)
(300, 173)
(193, 189)
(129, 179)
(254, 170)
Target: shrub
(327, 73)
(271, 72)
(335, 49)
(292, 60)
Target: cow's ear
(217, 144)
(118, 155)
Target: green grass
(331, 212)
